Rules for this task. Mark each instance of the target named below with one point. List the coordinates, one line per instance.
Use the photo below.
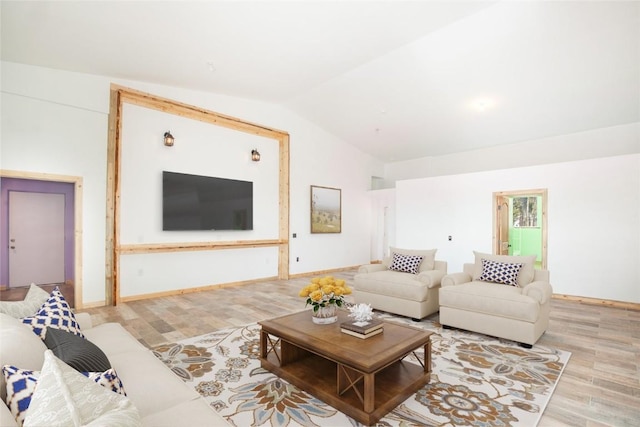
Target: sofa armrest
(371, 268)
(540, 291)
(455, 279)
(84, 319)
(6, 417)
(431, 278)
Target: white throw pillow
(65, 397)
(22, 383)
(526, 272)
(29, 306)
(19, 346)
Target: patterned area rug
(476, 381)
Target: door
(530, 235)
(36, 238)
(502, 213)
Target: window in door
(525, 211)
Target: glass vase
(325, 315)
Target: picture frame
(326, 210)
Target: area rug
(476, 381)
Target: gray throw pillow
(77, 352)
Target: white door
(36, 238)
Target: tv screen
(194, 202)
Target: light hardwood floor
(599, 386)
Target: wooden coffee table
(363, 378)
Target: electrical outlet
(297, 259)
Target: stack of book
(362, 329)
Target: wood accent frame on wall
(77, 221)
(121, 95)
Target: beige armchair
(412, 294)
(496, 297)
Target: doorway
(520, 224)
(39, 235)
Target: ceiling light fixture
(168, 139)
(482, 104)
(255, 155)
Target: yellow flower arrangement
(322, 292)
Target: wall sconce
(255, 155)
(168, 139)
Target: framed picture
(326, 210)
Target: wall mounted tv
(194, 202)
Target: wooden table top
(366, 355)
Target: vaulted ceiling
(398, 79)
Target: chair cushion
(526, 272)
(428, 260)
(392, 283)
(491, 298)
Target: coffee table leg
(263, 344)
(369, 392)
(427, 357)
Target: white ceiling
(398, 79)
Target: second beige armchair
(498, 295)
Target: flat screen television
(194, 202)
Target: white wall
(593, 220)
(383, 232)
(56, 122)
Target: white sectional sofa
(161, 398)
(476, 300)
(412, 294)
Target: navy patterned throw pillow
(406, 263)
(54, 313)
(500, 272)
